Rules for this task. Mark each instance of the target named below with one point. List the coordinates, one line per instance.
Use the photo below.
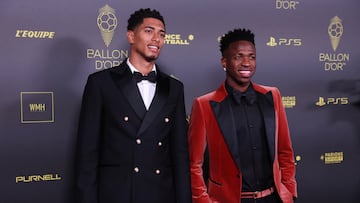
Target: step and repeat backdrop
(308, 49)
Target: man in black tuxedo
(132, 140)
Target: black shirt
(253, 149)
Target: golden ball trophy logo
(106, 58)
(335, 31)
(335, 61)
(107, 23)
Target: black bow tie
(151, 77)
(249, 96)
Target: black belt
(258, 194)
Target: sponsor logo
(177, 39)
(289, 101)
(284, 42)
(34, 34)
(332, 157)
(37, 107)
(37, 178)
(332, 101)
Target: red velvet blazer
(212, 125)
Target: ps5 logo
(332, 101)
(284, 42)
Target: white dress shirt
(146, 88)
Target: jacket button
(136, 169)
(126, 118)
(166, 120)
(157, 171)
(138, 141)
(159, 144)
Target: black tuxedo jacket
(126, 154)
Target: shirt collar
(230, 89)
(133, 69)
(249, 94)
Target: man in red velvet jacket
(243, 130)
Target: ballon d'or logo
(107, 23)
(335, 30)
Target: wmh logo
(37, 107)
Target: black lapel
(225, 119)
(122, 76)
(266, 104)
(159, 100)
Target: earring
(225, 69)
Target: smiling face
(147, 39)
(239, 60)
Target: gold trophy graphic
(107, 23)
(335, 30)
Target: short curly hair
(236, 35)
(138, 17)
